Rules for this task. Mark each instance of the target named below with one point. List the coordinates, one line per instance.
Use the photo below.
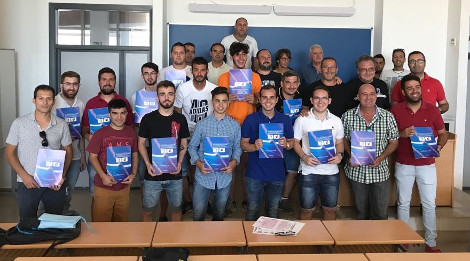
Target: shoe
(163, 219)
(187, 207)
(433, 249)
(209, 209)
(403, 247)
(244, 206)
(285, 206)
(230, 208)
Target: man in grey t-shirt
(28, 134)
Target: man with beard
(240, 36)
(107, 83)
(69, 86)
(190, 53)
(162, 123)
(193, 100)
(178, 57)
(217, 66)
(267, 75)
(411, 113)
(379, 64)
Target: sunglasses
(43, 136)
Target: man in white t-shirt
(193, 100)
(69, 86)
(317, 179)
(178, 56)
(392, 76)
(240, 35)
(217, 66)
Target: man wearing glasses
(365, 66)
(28, 134)
(67, 98)
(432, 89)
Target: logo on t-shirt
(175, 129)
(198, 111)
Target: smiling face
(268, 99)
(366, 71)
(290, 85)
(412, 91)
(239, 60)
(367, 96)
(118, 117)
(417, 63)
(398, 59)
(329, 70)
(70, 87)
(220, 103)
(320, 100)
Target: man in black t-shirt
(265, 71)
(163, 123)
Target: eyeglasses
(147, 74)
(419, 61)
(43, 136)
(69, 84)
(369, 70)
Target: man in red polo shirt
(107, 83)
(415, 112)
(432, 89)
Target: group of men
(204, 106)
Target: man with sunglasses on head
(28, 134)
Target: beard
(107, 91)
(69, 95)
(152, 82)
(165, 106)
(265, 67)
(409, 99)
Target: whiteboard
(8, 94)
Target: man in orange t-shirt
(240, 109)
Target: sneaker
(433, 249)
(209, 209)
(230, 208)
(403, 247)
(187, 207)
(163, 219)
(244, 206)
(285, 206)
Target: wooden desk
(83, 258)
(223, 257)
(310, 257)
(417, 256)
(199, 234)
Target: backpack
(166, 254)
(27, 232)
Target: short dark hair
(290, 73)
(190, 44)
(364, 58)
(199, 61)
(379, 55)
(268, 87)
(44, 87)
(408, 77)
(257, 54)
(398, 50)
(165, 83)
(106, 70)
(416, 52)
(149, 65)
(282, 51)
(70, 74)
(116, 104)
(321, 87)
(237, 47)
(176, 44)
(219, 90)
(328, 58)
(219, 44)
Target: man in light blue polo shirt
(265, 176)
(217, 124)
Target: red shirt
(431, 90)
(97, 102)
(109, 137)
(426, 116)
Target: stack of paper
(274, 226)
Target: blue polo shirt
(265, 169)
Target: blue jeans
(313, 185)
(91, 176)
(28, 200)
(185, 165)
(371, 199)
(201, 197)
(426, 180)
(141, 169)
(255, 190)
(70, 181)
(292, 161)
(152, 190)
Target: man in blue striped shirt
(216, 125)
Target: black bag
(27, 232)
(166, 254)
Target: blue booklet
(270, 133)
(322, 145)
(240, 82)
(72, 116)
(216, 153)
(292, 108)
(424, 143)
(164, 155)
(177, 77)
(49, 167)
(363, 147)
(119, 162)
(98, 118)
(145, 102)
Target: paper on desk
(271, 226)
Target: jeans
(371, 199)
(152, 190)
(255, 190)
(28, 200)
(313, 185)
(185, 165)
(70, 181)
(426, 180)
(201, 197)
(91, 176)
(141, 169)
